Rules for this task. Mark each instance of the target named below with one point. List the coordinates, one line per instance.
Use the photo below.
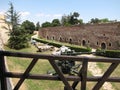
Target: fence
(81, 77)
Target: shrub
(58, 44)
(112, 53)
(108, 53)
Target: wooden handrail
(82, 75)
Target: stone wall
(106, 36)
(3, 32)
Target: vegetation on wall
(66, 20)
(104, 20)
(71, 19)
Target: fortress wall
(94, 35)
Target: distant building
(105, 36)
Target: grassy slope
(105, 66)
(42, 66)
(20, 64)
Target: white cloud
(24, 14)
(57, 15)
(40, 15)
(49, 15)
(2, 12)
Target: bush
(108, 53)
(58, 44)
(112, 53)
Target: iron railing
(82, 76)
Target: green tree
(17, 38)
(37, 26)
(46, 24)
(80, 21)
(64, 20)
(28, 26)
(76, 15)
(104, 20)
(12, 18)
(56, 22)
(71, 19)
(94, 20)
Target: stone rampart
(105, 36)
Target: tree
(37, 26)
(104, 20)
(28, 26)
(71, 19)
(64, 20)
(56, 22)
(96, 20)
(18, 38)
(46, 24)
(80, 21)
(12, 18)
(76, 15)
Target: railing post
(59, 72)
(84, 74)
(2, 73)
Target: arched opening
(110, 44)
(60, 39)
(83, 43)
(70, 41)
(88, 41)
(103, 46)
(97, 43)
(47, 37)
(53, 38)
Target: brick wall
(94, 35)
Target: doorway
(103, 46)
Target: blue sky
(47, 10)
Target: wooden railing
(81, 77)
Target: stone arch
(47, 37)
(103, 45)
(83, 42)
(110, 44)
(60, 39)
(70, 41)
(53, 38)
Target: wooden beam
(59, 72)
(105, 76)
(57, 78)
(2, 74)
(84, 74)
(26, 73)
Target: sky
(47, 10)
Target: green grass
(116, 73)
(20, 64)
